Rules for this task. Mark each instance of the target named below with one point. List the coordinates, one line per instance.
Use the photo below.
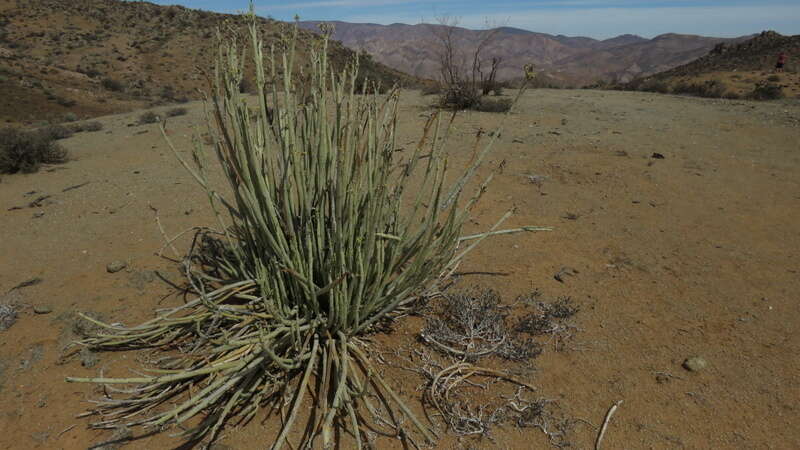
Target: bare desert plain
(675, 231)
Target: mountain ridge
(574, 60)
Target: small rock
(8, 316)
(695, 364)
(571, 216)
(116, 266)
(564, 272)
(42, 309)
(662, 378)
(40, 437)
(657, 156)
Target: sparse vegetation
(431, 89)
(25, 151)
(112, 85)
(56, 132)
(655, 85)
(708, 89)
(766, 91)
(465, 328)
(494, 105)
(86, 126)
(316, 256)
(174, 112)
(463, 76)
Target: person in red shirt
(781, 62)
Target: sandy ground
(695, 254)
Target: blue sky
(593, 18)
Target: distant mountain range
(571, 60)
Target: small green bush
(766, 91)
(174, 112)
(25, 151)
(148, 117)
(70, 117)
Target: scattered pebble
(570, 216)
(40, 437)
(42, 309)
(657, 156)
(564, 272)
(116, 266)
(695, 364)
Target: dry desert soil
(692, 254)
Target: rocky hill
(758, 53)
(570, 60)
(743, 69)
(78, 58)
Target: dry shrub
(466, 331)
(56, 132)
(112, 85)
(707, 89)
(174, 112)
(766, 91)
(494, 105)
(148, 117)
(87, 126)
(25, 151)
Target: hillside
(93, 57)
(734, 70)
(758, 53)
(570, 60)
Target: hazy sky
(594, 18)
